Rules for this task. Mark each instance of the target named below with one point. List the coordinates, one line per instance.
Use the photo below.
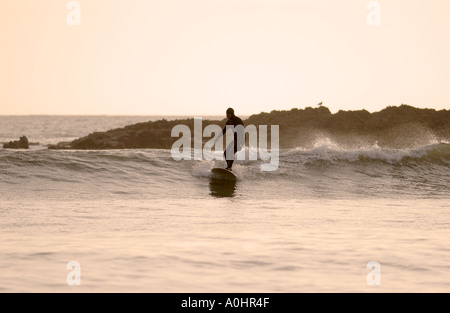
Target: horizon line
(215, 115)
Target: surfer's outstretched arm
(224, 130)
(218, 137)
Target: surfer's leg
(229, 154)
(235, 149)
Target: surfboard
(221, 173)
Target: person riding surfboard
(236, 145)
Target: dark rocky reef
(396, 127)
(22, 143)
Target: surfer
(236, 145)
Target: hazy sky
(186, 57)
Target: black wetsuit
(236, 145)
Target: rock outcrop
(22, 143)
(396, 127)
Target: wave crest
(327, 150)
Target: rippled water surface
(136, 220)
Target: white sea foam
(328, 150)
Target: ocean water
(137, 220)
